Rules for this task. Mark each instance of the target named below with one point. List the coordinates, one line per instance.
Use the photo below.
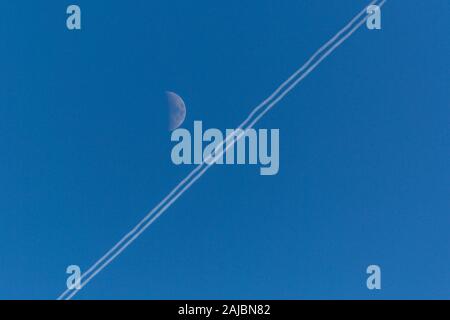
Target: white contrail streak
(196, 173)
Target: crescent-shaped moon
(177, 110)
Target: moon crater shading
(177, 110)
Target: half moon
(177, 110)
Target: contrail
(196, 173)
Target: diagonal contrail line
(205, 165)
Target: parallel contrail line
(134, 233)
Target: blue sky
(364, 150)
